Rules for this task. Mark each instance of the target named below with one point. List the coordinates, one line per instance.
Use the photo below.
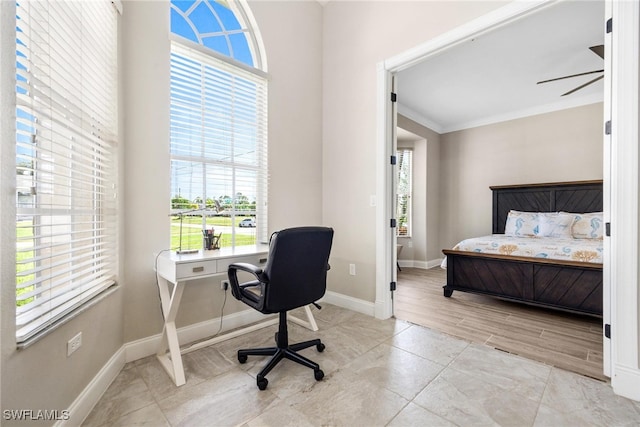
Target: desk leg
(171, 362)
(310, 323)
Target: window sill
(84, 307)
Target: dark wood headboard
(579, 197)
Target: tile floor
(377, 373)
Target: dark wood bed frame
(565, 285)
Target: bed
(567, 284)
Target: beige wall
(558, 146)
(322, 136)
(41, 376)
(426, 190)
(553, 147)
(357, 36)
(291, 33)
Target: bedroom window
(218, 143)
(403, 194)
(66, 150)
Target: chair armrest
(232, 273)
(249, 268)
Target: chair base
(283, 351)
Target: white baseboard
(626, 382)
(425, 265)
(434, 263)
(138, 349)
(84, 403)
(148, 346)
(349, 303)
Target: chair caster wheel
(320, 347)
(318, 374)
(262, 383)
(242, 358)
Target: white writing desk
(175, 271)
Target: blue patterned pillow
(556, 224)
(521, 224)
(588, 226)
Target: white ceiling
(493, 77)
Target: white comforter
(566, 248)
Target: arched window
(218, 125)
(214, 24)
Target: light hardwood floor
(564, 340)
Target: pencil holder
(209, 240)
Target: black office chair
(294, 276)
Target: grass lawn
(192, 236)
(24, 230)
(191, 239)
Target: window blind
(66, 133)
(218, 141)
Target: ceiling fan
(598, 50)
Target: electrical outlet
(74, 343)
(352, 269)
(224, 285)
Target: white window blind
(404, 191)
(218, 145)
(66, 135)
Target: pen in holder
(210, 240)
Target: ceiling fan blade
(568, 77)
(582, 86)
(598, 50)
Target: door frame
(620, 176)
(386, 70)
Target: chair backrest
(297, 267)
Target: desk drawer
(259, 260)
(197, 268)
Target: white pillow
(588, 226)
(556, 224)
(522, 224)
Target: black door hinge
(394, 97)
(607, 127)
(607, 331)
(607, 229)
(392, 223)
(609, 25)
(392, 286)
(393, 160)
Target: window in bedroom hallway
(66, 151)
(218, 125)
(403, 194)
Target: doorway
(403, 62)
